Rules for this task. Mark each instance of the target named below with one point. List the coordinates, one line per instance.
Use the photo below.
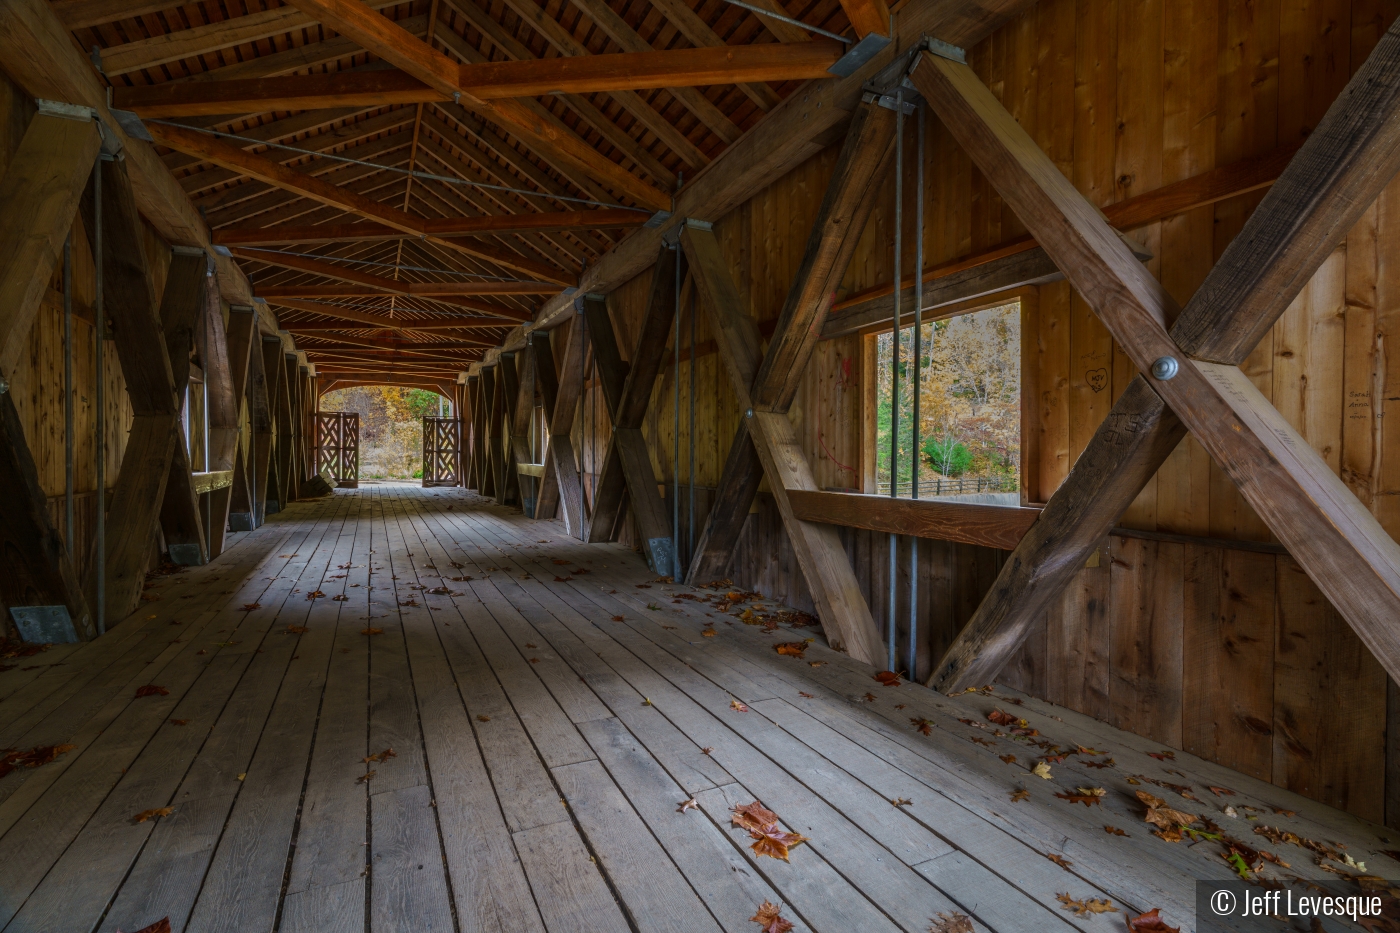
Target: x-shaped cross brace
(627, 477)
(765, 384)
(1190, 379)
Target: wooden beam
(488, 81)
(868, 16)
(547, 377)
(846, 207)
(984, 525)
(469, 324)
(481, 433)
(379, 320)
(216, 359)
(522, 412)
(547, 222)
(182, 302)
(210, 149)
(1345, 551)
(738, 485)
(835, 591)
(39, 195)
(364, 285)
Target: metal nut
(1165, 367)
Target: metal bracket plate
(44, 625)
(661, 557)
(859, 54)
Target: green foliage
(947, 455)
(418, 473)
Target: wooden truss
(627, 479)
(766, 383)
(1190, 378)
(39, 197)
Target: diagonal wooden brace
(1338, 172)
(840, 606)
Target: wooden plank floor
(398, 709)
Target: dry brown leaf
(1164, 817)
(145, 815)
(160, 926)
(869, 698)
(482, 718)
(951, 923)
(738, 707)
(1059, 860)
(1004, 719)
(1114, 831)
(382, 756)
(297, 629)
(1086, 799)
(888, 678)
(1041, 770)
(922, 725)
(1020, 794)
(1009, 759)
(753, 816)
(618, 618)
(1221, 791)
(249, 607)
(902, 802)
(151, 690)
(341, 598)
(708, 633)
(1089, 905)
(366, 777)
(804, 693)
(372, 631)
(691, 804)
(770, 920)
(791, 648)
(775, 843)
(315, 594)
(1150, 922)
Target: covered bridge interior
(910, 467)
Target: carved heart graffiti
(1097, 379)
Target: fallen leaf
(1009, 759)
(242, 776)
(707, 749)
(556, 560)
(1003, 719)
(803, 693)
(528, 645)
(869, 698)
(315, 594)
(922, 725)
(1086, 799)
(791, 648)
(249, 607)
(816, 663)
(1059, 860)
(151, 690)
(708, 633)
(902, 802)
(559, 579)
(482, 718)
(1089, 905)
(951, 923)
(1114, 831)
(1042, 770)
(770, 919)
(900, 705)
(1221, 791)
(160, 926)
(753, 816)
(1020, 794)
(738, 707)
(372, 631)
(365, 778)
(382, 756)
(145, 815)
(888, 678)
(297, 629)
(1163, 816)
(691, 804)
(1164, 755)
(179, 722)
(1150, 922)
(534, 660)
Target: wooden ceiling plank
(512, 48)
(702, 36)
(627, 38)
(272, 205)
(551, 31)
(300, 57)
(418, 289)
(1349, 158)
(211, 37)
